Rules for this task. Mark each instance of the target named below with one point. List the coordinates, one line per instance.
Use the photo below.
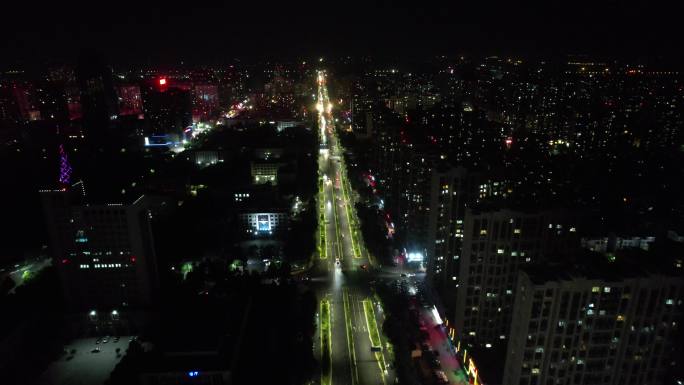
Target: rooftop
(623, 264)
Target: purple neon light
(64, 167)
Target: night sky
(128, 32)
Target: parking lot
(81, 366)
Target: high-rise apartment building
(596, 323)
(453, 189)
(130, 101)
(98, 97)
(205, 102)
(168, 108)
(496, 244)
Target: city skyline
(342, 194)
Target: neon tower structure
(64, 168)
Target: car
(116, 339)
(402, 275)
(96, 350)
(104, 341)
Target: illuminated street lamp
(115, 315)
(93, 315)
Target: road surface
(338, 275)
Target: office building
(104, 252)
(263, 223)
(265, 172)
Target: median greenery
(326, 348)
(372, 324)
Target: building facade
(104, 252)
(496, 244)
(579, 330)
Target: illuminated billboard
(415, 257)
(263, 222)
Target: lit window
(595, 289)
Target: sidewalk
(441, 344)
